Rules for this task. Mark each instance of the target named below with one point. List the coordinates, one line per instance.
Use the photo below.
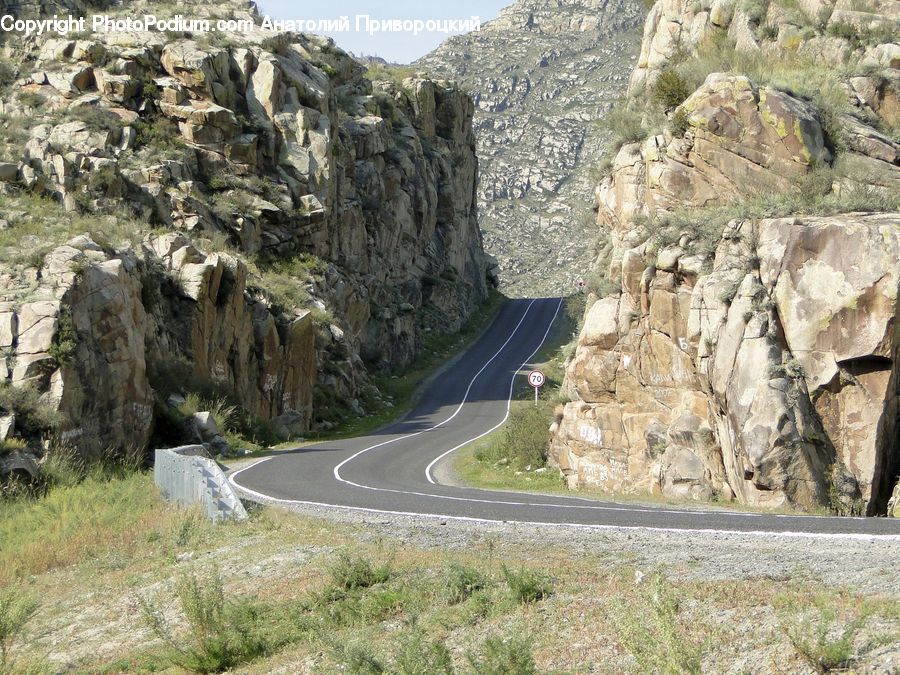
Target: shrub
(527, 586)
(462, 582)
(33, 416)
(389, 73)
(626, 126)
(96, 119)
(65, 341)
(32, 99)
(359, 659)
(527, 436)
(653, 631)
(680, 123)
(16, 608)
(755, 10)
(222, 634)
(416, 655)
(504, 656)
(670, 89)
(160, 133)
(349, 572)
(7, 75)
(820, 644)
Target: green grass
(279, 590)
(50, 225)
(16, 608)
(74, 521)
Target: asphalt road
(392, 470)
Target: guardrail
(188, 476)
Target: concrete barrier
(189, 476)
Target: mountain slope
(541, 75)
(239, 217)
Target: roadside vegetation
(291, 593)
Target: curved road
(393, 470)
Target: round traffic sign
(536, 379)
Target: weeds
(34, 417)
(16, 608)
(75, 515)
(414, 654)
(350, 572)
(462, 582)
(820, 643)
(359, 659)
(504, 656)
(654, 632)
(222, 634)
(527, 586)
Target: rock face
(348, 210)
(759, 363)
(680, 388)
(541, 74)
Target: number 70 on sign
(537, 380)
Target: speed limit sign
(536, 379)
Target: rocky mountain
(747, 344)
(245, 216)
(542, 75)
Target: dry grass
(316, 596)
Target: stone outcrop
(777, 365)
(759, 363)
(540, 74)
(293, 227)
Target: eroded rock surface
(759, 363)
(541, 75)
(293, 225)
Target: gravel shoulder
(863, 565)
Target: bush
(527, 586)
(65, 341)
(349, 572)
(504, 656)
(222, 634)
(389, 73)
(358, 659)
(680, 123)
(653, 631)
(823, 647)
(96, 119)
(415, 655)
(16, 608)
(527, 436)
(626, 126)
(33, 416)
(462, 582)
(161, 133)
(670, 89)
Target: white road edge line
(337, 469)
(428, 473)
(512, 384)
(580, 526)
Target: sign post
(537, 380)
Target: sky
(395, 47)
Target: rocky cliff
(542, 74)
(748, 347)
(245, 214)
